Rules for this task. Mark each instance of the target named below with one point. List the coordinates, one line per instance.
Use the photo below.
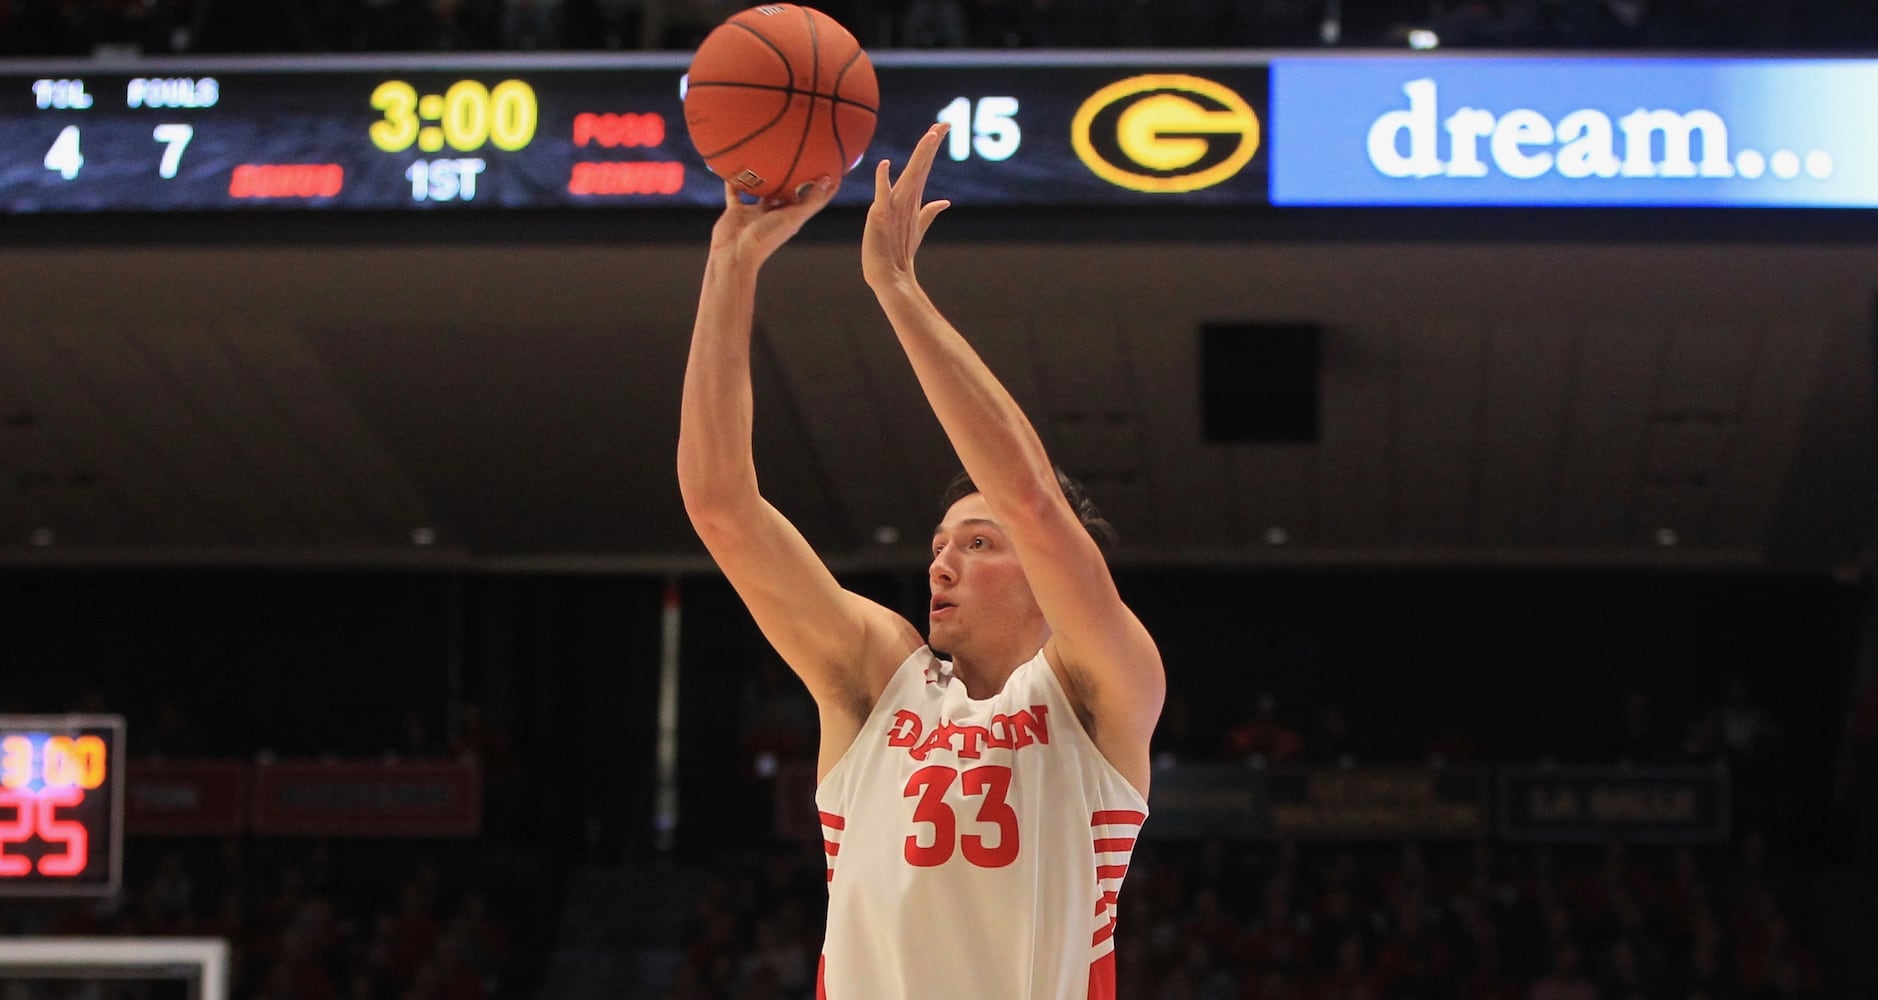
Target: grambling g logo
(1165, 133)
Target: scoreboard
(1204, 129)
(559, 131)
(61, 804)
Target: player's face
(980, 596)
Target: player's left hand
(899, 217)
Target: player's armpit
(842, 645)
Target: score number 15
(986, 127)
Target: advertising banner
(169, 798)
(361, 799)
(1234, 802)
(1199, 801)
(1379, 803)
(1594, 805)
(1625, 131)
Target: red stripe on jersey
(1111, 871)
(1107, 816)
(834, 822)
(833, 847)
(1104, 932)
(1101, 978)
(1114, 844)
(821, 978)
(1108, 899)
(831, 874)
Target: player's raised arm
(1111, 663)
(834, 640)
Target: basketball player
(981, 789)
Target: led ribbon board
(578, 132)
(1643, 132)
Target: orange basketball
(779, 95)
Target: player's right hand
(749, 232)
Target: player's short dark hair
(1092, 520)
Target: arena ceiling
(402, 397)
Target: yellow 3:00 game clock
(61, 804)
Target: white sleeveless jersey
(975, 848)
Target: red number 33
(992, 783)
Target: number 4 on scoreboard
(64, 156)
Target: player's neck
(981, 678)
(985, 672)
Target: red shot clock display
(61, 804)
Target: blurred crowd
(1202, 919)
(1280, 921)
(1208, 919)
(80, 27)
(319, 920)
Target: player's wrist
(734, 260)
(893, 282)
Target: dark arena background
(1483, 392)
